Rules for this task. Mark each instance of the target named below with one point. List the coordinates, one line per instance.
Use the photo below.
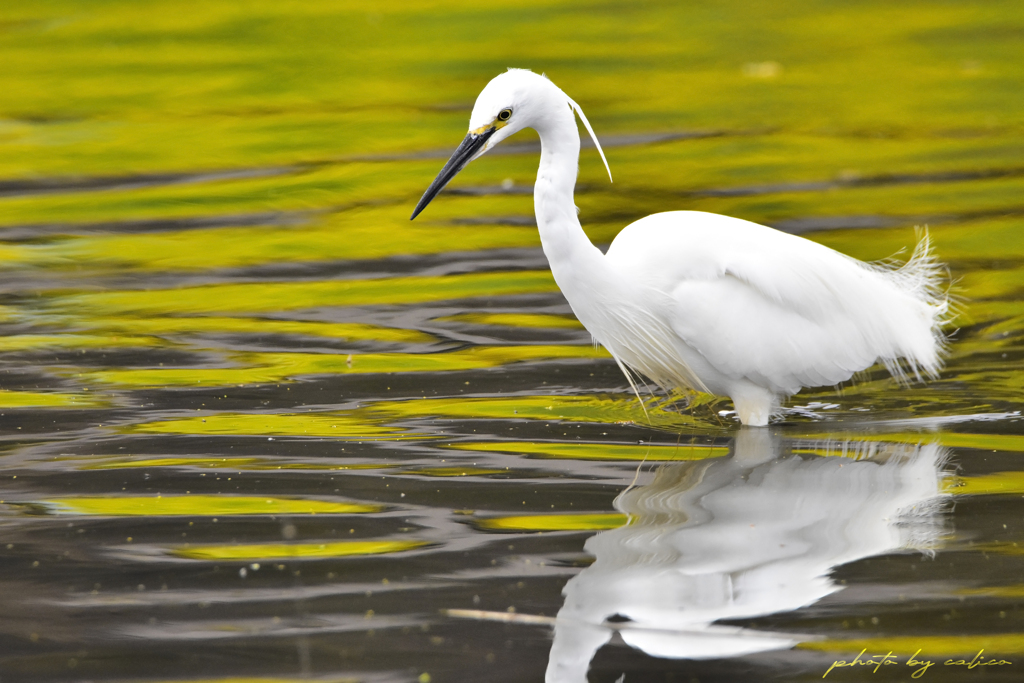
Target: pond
(258, 426)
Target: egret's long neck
(567, 247)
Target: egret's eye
(504, 114)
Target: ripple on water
(257, 425)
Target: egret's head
(514, 100)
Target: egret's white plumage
(708, 302)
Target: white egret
(703, 301)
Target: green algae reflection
(304, 551)
(238, 464)
(46, 399)
(196, 505)
(598, 451)
(365, 423)
(339, 425)
(454, 471)
(574, 522)
(166, 325)
(254, 297)
(269, 368)
(516, 320)
(623, 409)
(997, 483)
(31, 342)
(346, 236)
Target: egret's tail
(926, 281)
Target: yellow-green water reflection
(159, 506)
(224, 339)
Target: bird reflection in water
(746, 535)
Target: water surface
(256, 425)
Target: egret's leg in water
(753, 404)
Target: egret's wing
(788, 322)
(744, 333)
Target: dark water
(257, 426)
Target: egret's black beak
(472, 144)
